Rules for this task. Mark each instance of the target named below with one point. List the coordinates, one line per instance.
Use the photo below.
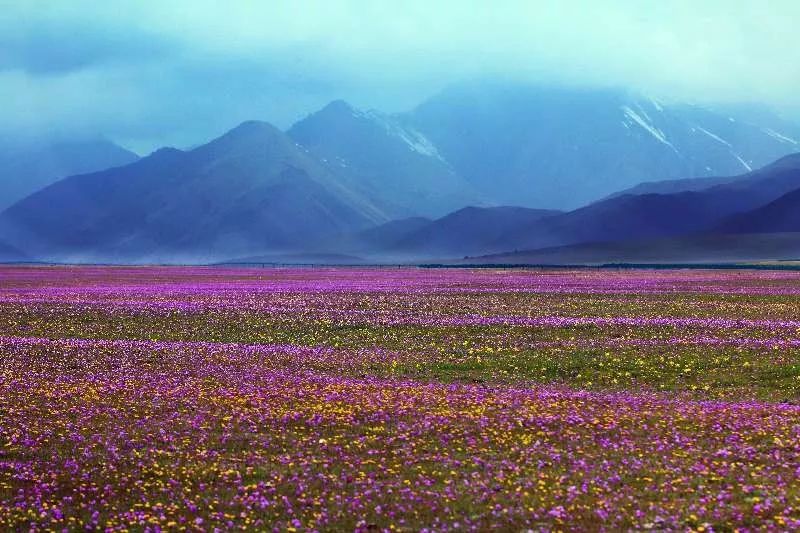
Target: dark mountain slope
(782, 215)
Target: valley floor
(399, 398)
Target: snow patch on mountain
(715, 137)
(656, 104)
(647, 125)
(742, 161)
(418, 142)
(780, 137)
(415, 140)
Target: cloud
(62, 38)
(153, 72)
(56, 48)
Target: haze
(151, 73)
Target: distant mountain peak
(337, 106)
(385, 157)
(252, 128)
(247, 136)
(339, 112)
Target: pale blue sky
(153, 72)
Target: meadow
(399, 399)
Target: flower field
(399, 399)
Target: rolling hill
(468, 230)
(781, 215)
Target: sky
(150, 73)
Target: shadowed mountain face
(562, 148)
(250, 190)
(384, 159)
(782, 215)
(27, 168)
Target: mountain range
(478, 169)
(250, 189)
(760, 201)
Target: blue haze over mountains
(28, 165)
(480, 168)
